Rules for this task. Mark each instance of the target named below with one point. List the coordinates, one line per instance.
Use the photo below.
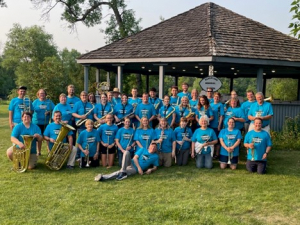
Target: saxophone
(82, 121)
(97, 124)
(170, 113)
(60, 151)
(20, 156)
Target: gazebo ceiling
(206, 35)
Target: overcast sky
(273, 13)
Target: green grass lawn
(177, 195)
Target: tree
(121, 23)
(295, 25)
(2, 3)
(25, 49)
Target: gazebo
(189, 43)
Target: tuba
(60, 151)
(20, 156)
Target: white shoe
(99, 177)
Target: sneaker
(99, 177)
(70, 167)
(121, 176)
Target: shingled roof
(208, 30)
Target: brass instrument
(97, 124)
(87, 157)
(60, 151)
(82, 121)
(26, 104)
(123, 119)
(103, 87)
(189, 117)
(270, 99)
(21, 156)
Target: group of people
(147, 131)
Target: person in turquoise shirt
(258, 143)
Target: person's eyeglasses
(209, 91)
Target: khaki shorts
(165, 159)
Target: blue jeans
(204, 161)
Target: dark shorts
(110, 151)
(92, 162)
(224, 159)
(42, 127)
(256, 166)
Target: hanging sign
(210, 82)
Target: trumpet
(82, 121)
(26, 104)
(87, 158)
(21, 157)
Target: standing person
(107, 133)
(258, 143)
(110, 99)
(92, 98)
(50, 135)
(65, 110)
(185, 89)
(122, 110)
(124, 140)
(17, 106)
(203, 140)
(102, 109)
(167, 142)
(134, 101)
(167, 111)
(204, 108)
(42, 110)
(116, 96)
(230, 139)
(144, 135)
(82, 110)
(195, 98)
(142, 160)
(157, 103)
(174, 99)
(235, 112)
(183, 135)
(260, 109)
(184, 110)
(25, 128)
(210, 94)
(71, 100)
(246, 107)
(88, 144)
(217, 123)
(145, 109)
